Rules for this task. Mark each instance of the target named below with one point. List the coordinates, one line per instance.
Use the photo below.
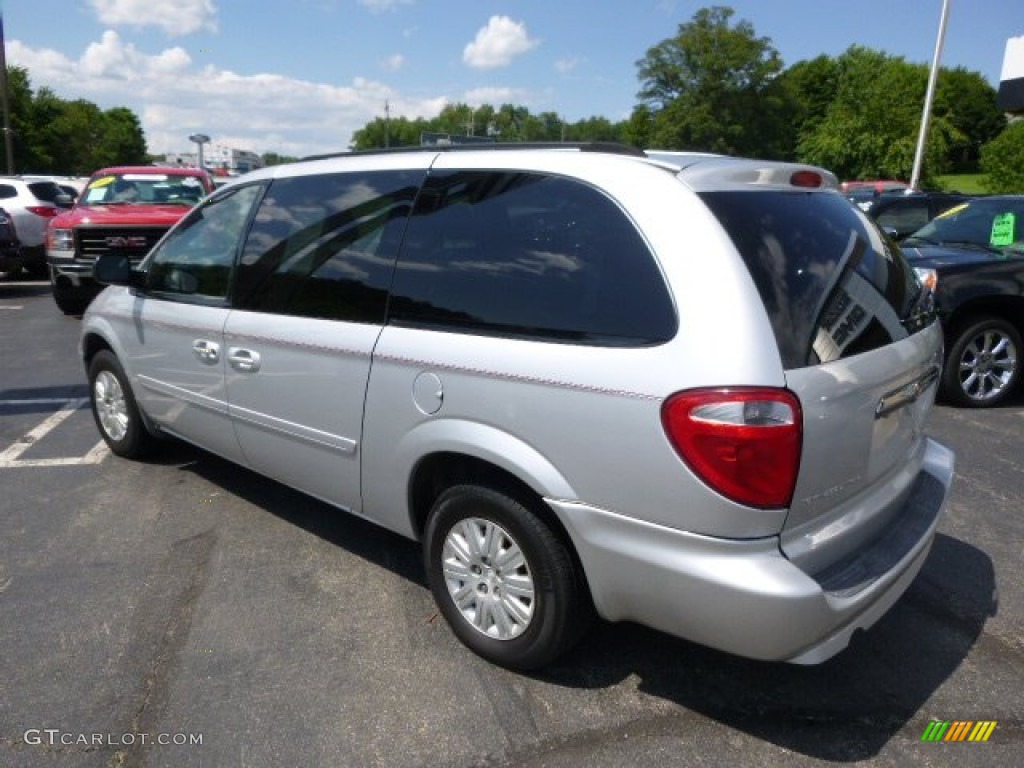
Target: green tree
(871, 127)
(122, 141)
(968, 103)
(1002, 159)
(710, 87)
(811, 86)
(274, 158)
(53, 135)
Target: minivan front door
(176, 348)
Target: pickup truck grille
(133, 242)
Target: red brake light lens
(745, 443)
(806, 179)
(42, 210)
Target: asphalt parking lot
(185, 612)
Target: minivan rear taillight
(745, 442)
(46, 211)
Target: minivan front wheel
(984, 363)
(114, 409)
(502, 578)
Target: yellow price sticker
(102, 181)
(953, 211)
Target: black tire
(559, 609)
(114, 409)
(983, 365)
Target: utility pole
(926, 115)
(8, 139)
(387, 124)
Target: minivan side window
(195, 260)
(324, 245)
(527, 254)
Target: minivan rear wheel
(502, 578)
(983, 366)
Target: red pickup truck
(122, 210)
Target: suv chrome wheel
(984, 363)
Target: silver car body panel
(280, 376)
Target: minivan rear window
(832, 285)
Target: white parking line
(10, 458)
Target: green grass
(968, 183)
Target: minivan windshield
(832, 284)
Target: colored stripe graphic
(935, 730)
(959, 730)
(982, 730)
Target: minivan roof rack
(606, 147)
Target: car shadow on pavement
(846, 709)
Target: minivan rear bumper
(744, 596)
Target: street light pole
(199, 139)
(926, 115)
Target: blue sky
(299, 77)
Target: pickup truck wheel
(502, 579)
(983, 366)
(114, 409)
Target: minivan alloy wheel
(110, 406)
(488, 578)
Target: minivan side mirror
(116, 269)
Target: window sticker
(953, 211)
(103, 181)
(190, 181)
(144, 177)
(1003, 226)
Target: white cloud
(497, 44)
(380, 6)
(176, 17)
(393, 63)
(565, 66)
(174, 97)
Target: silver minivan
(682, 390)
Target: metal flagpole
(926, 115)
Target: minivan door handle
(206, 351)
(245, 360)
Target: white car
(31, 203)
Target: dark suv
(903, 213)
